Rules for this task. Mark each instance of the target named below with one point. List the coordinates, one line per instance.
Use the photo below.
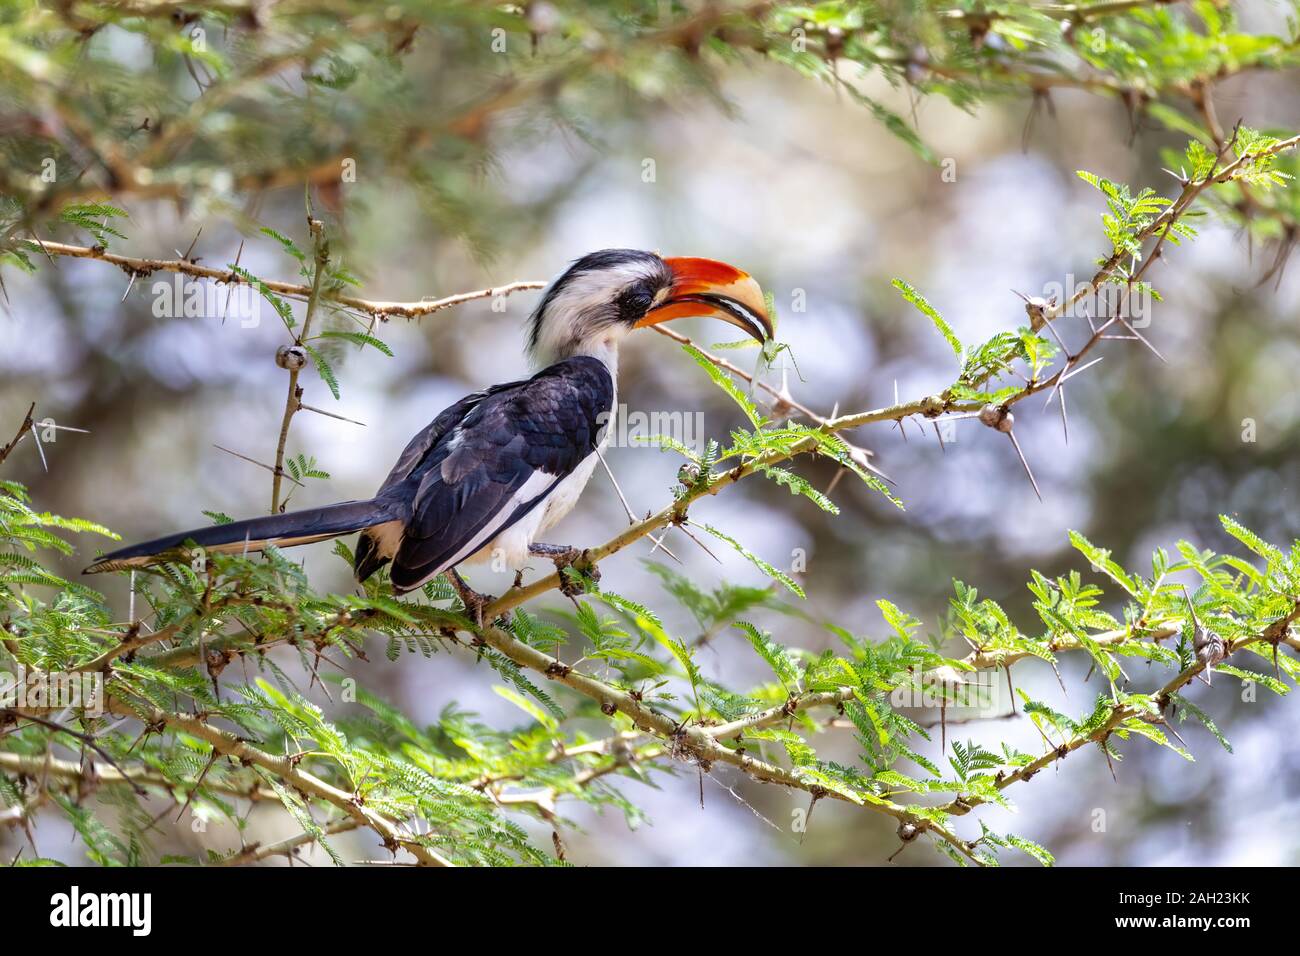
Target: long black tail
(254, 534)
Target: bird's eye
(634, 303)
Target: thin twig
(145, 266)
(23, 429)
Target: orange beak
(710, 288)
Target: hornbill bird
(499, 467)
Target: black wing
(496, 456)
(370, 555)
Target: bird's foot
(474, 601)
(565, 557)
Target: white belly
(509, 550)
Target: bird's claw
(475, 605)
(565, 558)
(474, 601)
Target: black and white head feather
(596, 302)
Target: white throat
(605, 348)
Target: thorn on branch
(1141, 338)
(999, 418)
(23, 428)
(1039, 310)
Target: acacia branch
(1072, 12)
(134, 639)
(238, 644)
(695, 741)
(256, 852)
(1042, 314)
(1277, 632)
(545, 799)
(703, 743)
(143, 266)
(1161, 226)
(72, 772)
(783, 402)
(294, 399)
(287, 769)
